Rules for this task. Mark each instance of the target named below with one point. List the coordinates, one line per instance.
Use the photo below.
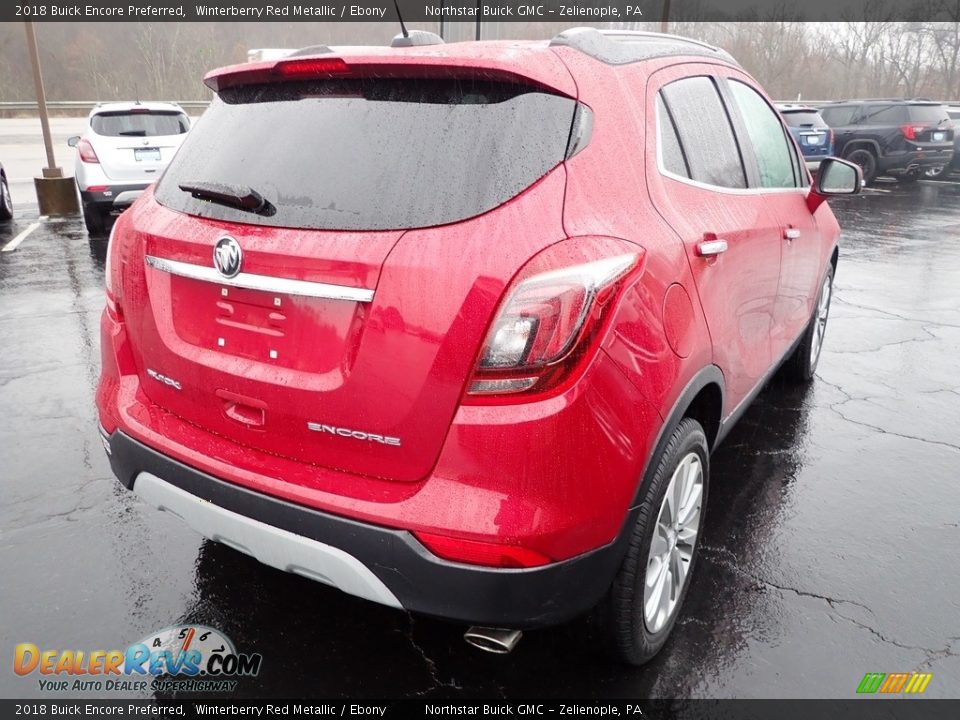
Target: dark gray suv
(898, 138)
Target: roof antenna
(414, 39)
(403, 28)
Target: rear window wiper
(241, 197)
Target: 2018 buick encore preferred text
(455, 328)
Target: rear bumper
(915, 161)
(114, 196)
(385, 565)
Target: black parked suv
(900, 138)
(954, 166)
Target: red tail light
(911, 130)
(111, 278)
(830, 137)
(481, 553)
(544, 325)
(86, 151)
(313, 67)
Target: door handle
(791, 234)
(709, 248)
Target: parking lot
(830, 546)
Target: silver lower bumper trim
(272, 546)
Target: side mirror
(834, 177)
(72, 142)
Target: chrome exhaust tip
(499, 641)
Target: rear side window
(839, 116)
(884, 115)
(139, 123)
(670, 151)
(704, 132)
(772, 149)
(804, 119)
(371, 154)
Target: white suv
(125, 148)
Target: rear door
(135, 145)
(783, 183)
(842, 119)
(930, 128)
(699, 185)
(396, 211)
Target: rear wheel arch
(700, 399)
(707, 409)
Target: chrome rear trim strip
(266, 283)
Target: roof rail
(619, 47)
(887, 99)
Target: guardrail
(71, 108)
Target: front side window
(704, 132)
(771, 148)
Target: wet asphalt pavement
(831, 548)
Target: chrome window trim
(705, 186)
(265, 283)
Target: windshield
(139, 123)
(371, 154)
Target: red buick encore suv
(455, 328)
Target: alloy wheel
(674, 540)
(820, 321)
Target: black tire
(802, 364)
(621, 613)
(866, 160)
(6, 203)
(938, 173)
(95, 220)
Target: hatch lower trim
(266, 283)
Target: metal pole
(665, 16)
(51, 170)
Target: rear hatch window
(804, 118)
(928, 114)
(139, 123)
(368, 153)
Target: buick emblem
(227, 256)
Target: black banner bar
(573, 11)
(854, 709)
